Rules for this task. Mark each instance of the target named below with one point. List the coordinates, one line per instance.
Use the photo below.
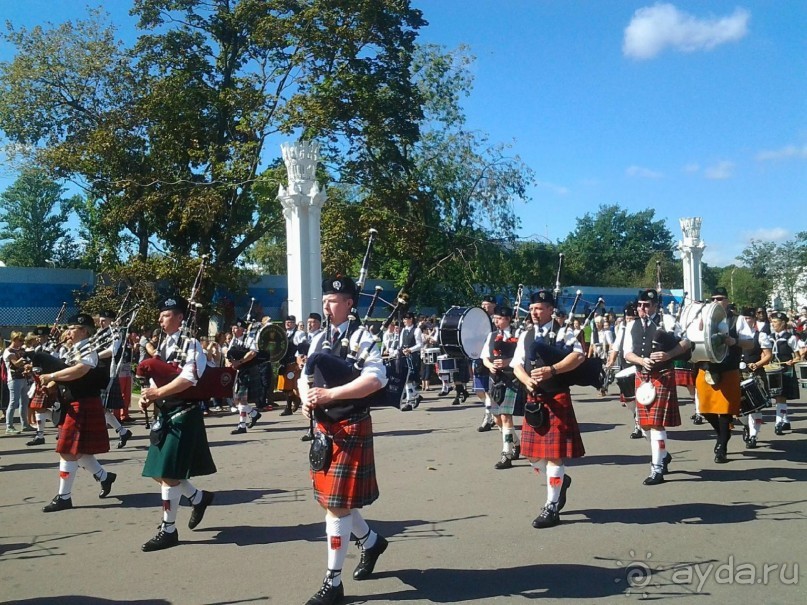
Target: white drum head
(715, 329)
(474, 328)
(625, 372)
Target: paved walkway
(460, 531)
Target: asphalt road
(459, 531)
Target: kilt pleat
(350, 480)
(184, 452)
(664, 409)
(560, 438)
(684, 374)
(84, 428)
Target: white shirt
(196, 360)
(567, 338)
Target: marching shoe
(442, 393)
(295, 405)
(786, 426)
(548, 517)
(58, 504)
(485, 427)
(505, 462)
(654, 479)
(287, 411)
(161, 541)
(124, 437)
(254, 420)
(698, 419)
(779, 428)
(517, 452)
(665, 464)
(637, 433)
(328, 595)
(406, 407)
(751, 443)
(720, 455)
(417, 401)
(307, 437)
(456, 400)
(567, 481)
(106, 484)
(464, 396)
(198, 512)
(239, 431)
(36, 441)
(369, 556)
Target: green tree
(617, 248)
(33, 213)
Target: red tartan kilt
(685, 376)
(349, 481)
(40, 401)
(84, 428)
(664, 409)
(560, 438)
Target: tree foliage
(616, 248)
(777, 270)
(33, 212)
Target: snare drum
(430, 355)
(801, 374)
(626, 382)
(446, 364)
(752, 396)
(775, 375)
(463, 331)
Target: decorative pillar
(302, 207)
(691, 249)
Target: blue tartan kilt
(113, 396)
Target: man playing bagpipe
(550, 434)
(497, 353)
(342, 462)
(179, 448)
(652, 350)
(242, 354)
(79, 414)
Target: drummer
(785, 348)
(626, 384)
(753, 362)
(410, 345)
(718, 384)
(482, 375)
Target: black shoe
(486, 427)
(123, 438)
(254, 420)
(417, 401)
(464, 396)
(548, 517)
(287, 411)
(720, 455)
(517, 452)
(751, 443)
(161, 541)
(637, 433)
(307, 437)
(106, 485)
(442, 393)
(58, 504)
(369, 556)
(654, 479)
(456, 400)
(198, 512)
(239, 431)
(786, 426)
(505, 462)
(328, 595)
(665, 464)
(746, 433)
(406, 408)
(698, 419)
(778, 429)
(36, 441)
(567, 481)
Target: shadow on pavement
(692, 513)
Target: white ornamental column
(691, 249)
(302, 204)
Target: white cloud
(720, 171)
(790, 151)
(692, 168)
(557, 189)
(777, 235)
(643, 173)
(662, 26)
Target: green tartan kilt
(184, 452)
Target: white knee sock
(171, 495)
(90, 463)
(361, 530)
(697, 403)
(67, 474)
(554, 481)
(781, 412)
(508, 437)
(658, 449)
(112, 421)
(539, 466)
(754, 424)
(337, 531)
(190, 492)
(243, 412)
(41, 417)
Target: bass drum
(706, 327)
(463, 331)
(271, 340)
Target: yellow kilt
(722, 398)
(287, 378)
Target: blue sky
(691, 108)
